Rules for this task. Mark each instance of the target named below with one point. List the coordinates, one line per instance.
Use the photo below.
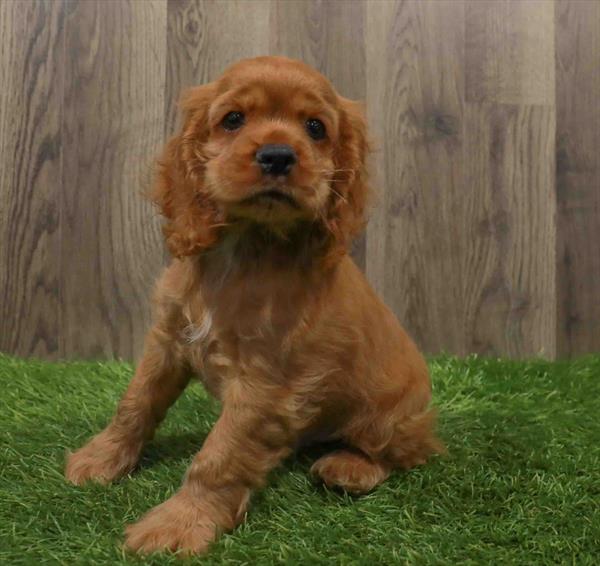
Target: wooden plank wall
(578, 175)
(485, 235)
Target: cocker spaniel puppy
(262, 192)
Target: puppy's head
(269, 142)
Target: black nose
(275, 158)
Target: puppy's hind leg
(379, 445)
(413, 441)
(159, 380)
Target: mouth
(273, 196)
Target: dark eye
(233, 121)
(315, 128)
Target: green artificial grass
(520, 484)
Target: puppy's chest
(254, 323)
(247, 335)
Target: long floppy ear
(346, 214)
(192, 217)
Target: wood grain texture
(486, 125)
(578, 175)
(415, 100)
(30, 177)
(509, 265)
(509, 51)
(330, 36)
(113, 125)
(508, 231)
(204, 37)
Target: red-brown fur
(263, 303)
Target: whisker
(339, 194)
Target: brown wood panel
(330, 36)
(113, 125)
(415, 100)
(30, 167)
(578, 175)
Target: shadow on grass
(181, 446)
(184, 446)
(486, 438)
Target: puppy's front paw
(180, 524)
(350, 470)
(102, 460)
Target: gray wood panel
(486, 127)
(113, 125)
(508, 221)
(31, 149)
(578, 175)
(508, 243)
(415, 100)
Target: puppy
(262, 192)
